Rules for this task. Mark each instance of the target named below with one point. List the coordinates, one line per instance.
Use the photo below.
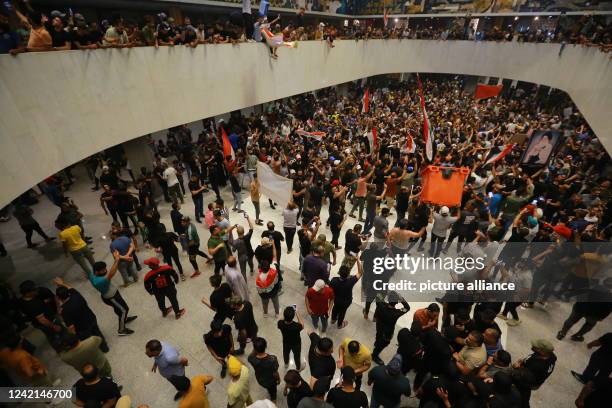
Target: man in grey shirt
(442, 222)
(381, 225)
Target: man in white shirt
(174, 189)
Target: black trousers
(29, 230)
(339, 312)
(600, 365)
(170, 293)
(296, 349)
(120, 308)
(169, 256)
(510, 307)
(289, 235)
(380, 343)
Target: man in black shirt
(345, 395)
(77, 315)
(244, 321)
(343, 293)
(266, 367)
(296, 388)
(93, 388)
(276, 237)
(38, 304)
(197, 195)
(290, 331)
(410, 348)
(320, 359)
(159, 283)
(60, 37)
(218, 300)
(220, 343)
(541, 363)
(373, 251)
(386, 316)
(166, 242)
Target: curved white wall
(57, 108)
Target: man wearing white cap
(442, 222)
(319, 301)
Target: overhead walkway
(57, 108)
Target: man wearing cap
(356, 356)
(159, 283)
(388, 384)
(541, 363)
(319, 301)
(238, 393)
(442, 222)
(345, 394)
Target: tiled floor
(132, 368)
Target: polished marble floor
(132, 368)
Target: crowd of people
(453, 347)
(23, 29)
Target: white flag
(273, 186)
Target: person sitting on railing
(164, 35)
(82, 39)
(189, 34)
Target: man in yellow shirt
(73, 244)
(194, 390)
(238, 394)
(355, 355)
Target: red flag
(228, 150)
(385, 17)
(427, 136)
(498, 153)
(365, 108)
(487, 91)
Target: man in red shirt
(319, 301)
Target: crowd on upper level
(24, 29)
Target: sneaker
(514, 322)
(352, 215)
(180, 313)
(223, 371)
(578, 377)
(165, 312)
(130, 319)
(503, 317)
(195, 274)
(125, 332)
(560, 335)
(183, 277)
(577, 337)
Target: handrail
(60, 107)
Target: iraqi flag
(487, 91)
(314, 135)
(498, 153)
(427, 136)
(410, 145)
(372, 138)
(228, 150)
(365, 108)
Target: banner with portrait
(542, 145)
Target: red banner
(487, 91)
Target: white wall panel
(57, 108)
